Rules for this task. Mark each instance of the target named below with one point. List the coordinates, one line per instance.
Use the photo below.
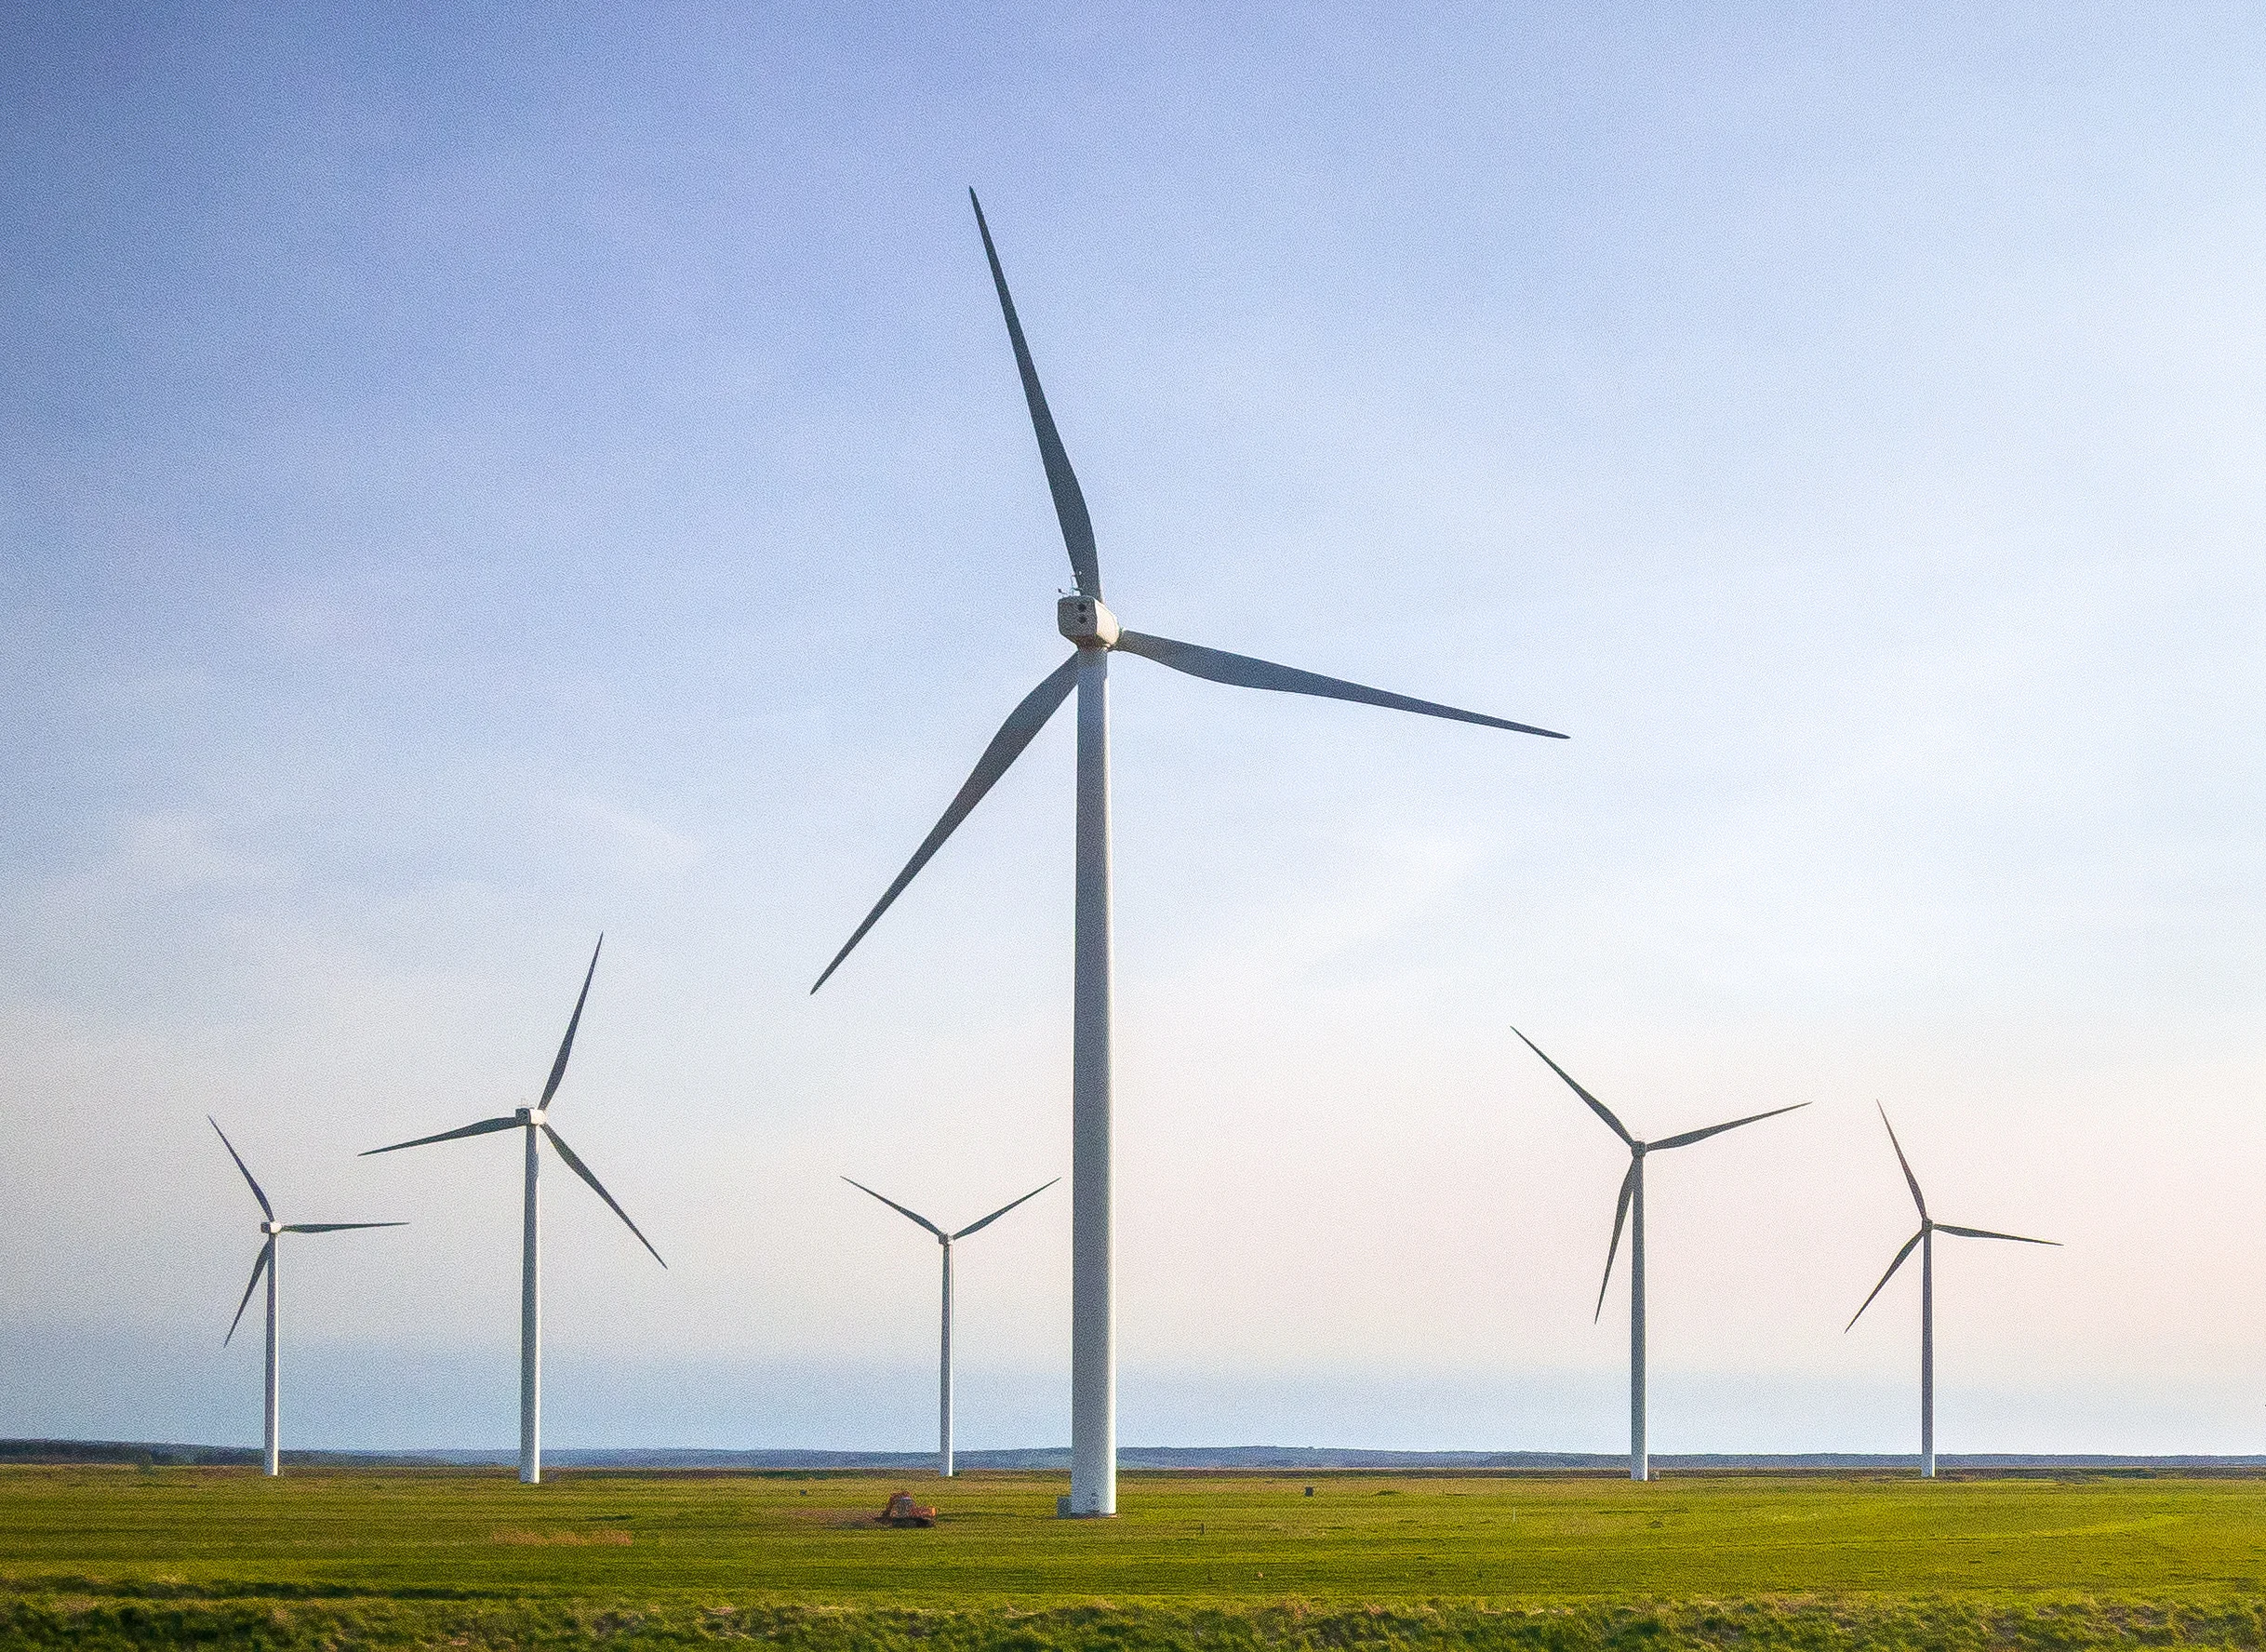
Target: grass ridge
(1806, 1623)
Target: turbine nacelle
(270, 1228)
(531, 1116)
(1086, 622)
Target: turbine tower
(1925, 1240)
(1632, 1199)
(1095, 634)
(944, 1350)
(536, 1123)
(271, 1457)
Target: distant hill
(1298, 1458)
(154, 1453)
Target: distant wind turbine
(1095, 633)
(945, 1352)
(1633, 1198)
(273, 1457)
(1925, 1240)
(534, 1122)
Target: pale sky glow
(467, 484)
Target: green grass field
(96, 1556)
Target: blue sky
(470, 482)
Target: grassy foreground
(112, 1556)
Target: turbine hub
(528, 1115)
(1086, 623)
(270, 1228)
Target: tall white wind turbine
(272, 1457)
(536, 1124)
(944, 1349)
(1095, 633)
(1925, 1240)
(1632, 1200)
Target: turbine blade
(1691, 1136)
(1621, 1214)
(1985, 1233)
(1596, 1106)
(892, 1204)
(1884, 1279)
(597, 1187)
(336, 1227)
(1243, 672)
(265, 1208)
(267, 1255)
(1061, 480)
(1020, 728)
(482, 1128)
(1911, 1180)
(558, 1068)
(996, 1214)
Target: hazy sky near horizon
(472, 481)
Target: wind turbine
(944, 1354)
(1095, 634)
(1632, 1197)
(1925, 1240)
(272, 1460)
(535, 1121)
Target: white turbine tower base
(1093, 1221)
(536, 1123)
(270, 1413)
(531, 1318)
(1095, 633)
(945, 1241)
(271, 1455)
(1632, 1211)
(944, 1373)
(1925, 1240)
